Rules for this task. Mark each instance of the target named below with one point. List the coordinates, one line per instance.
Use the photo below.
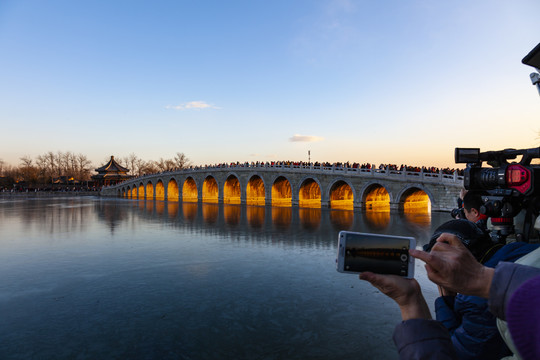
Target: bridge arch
(140, 192)
(189, 190)
(255, 190)
(415, 197)
(309, 193)
(341, 194)
(172, 190)
(149, 190)
(281, 191)
(134, 191)
(376, 197)
(159, 190)
(232, 189)
(210, 190)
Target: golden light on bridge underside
(417, 201)
(160, 191)
(310, 194)
(281, 192)
(149, 191)
(231, 191)
(140, 193)
(341, 196)
(255, 191)
(189, 191)
(172, 191)
(210, 190)
(377, 199)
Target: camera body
(511, 188)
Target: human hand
(405, 292)
(451, 265)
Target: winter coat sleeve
(507, 278)
(423, 339)
(444, 308)
(472, 327)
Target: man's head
(474, 239)
(472, 201)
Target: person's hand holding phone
(405, 292)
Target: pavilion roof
(112, 166)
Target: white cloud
(305, 138)
(195, 105)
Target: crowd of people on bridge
(326, 165)
(339, 165)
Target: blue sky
(221, 81)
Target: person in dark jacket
(513, 291)
(473, 328)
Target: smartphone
(381, 254)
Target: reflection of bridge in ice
(304, 186)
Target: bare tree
(27, 170)
(181, 161)
(84, 167)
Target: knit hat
(468, 232)
(523, 317)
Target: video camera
(511, 187)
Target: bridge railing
(336, 169)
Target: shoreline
(40, 194)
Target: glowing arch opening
(281, 192)
(416, 201)
(310, 194)
(255, 191)
(172, 190)
(189, 191)
(140, 193)
(377, 199)
(231, 190)
(341, 196)
(210, 190)
(160, 191)
(149, 191)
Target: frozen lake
(91, 278)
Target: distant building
(111, 173)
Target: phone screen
(378, 254)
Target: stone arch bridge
(297, 185)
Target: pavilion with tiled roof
(111, 173)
